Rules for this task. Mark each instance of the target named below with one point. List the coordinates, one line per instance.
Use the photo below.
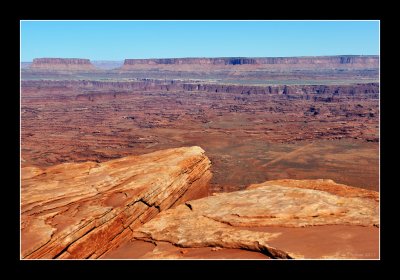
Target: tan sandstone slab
(272, 217)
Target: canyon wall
(150, 85)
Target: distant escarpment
(161, 85)
(74, 64)
(82, 210)
(317, 61)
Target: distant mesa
(75, 64)
(306, 62)
(372, 60)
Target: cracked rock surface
(82, 210)
(281, 219)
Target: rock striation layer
(82, 210)
(265, 216)
(75, 64)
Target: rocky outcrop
(325, 185)
(367, 60)
(265, 217)
(82, 210)
(75, 64)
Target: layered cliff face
(370, 61)
(153, 85)
(280, 219)
(82, 210)
(74, 64)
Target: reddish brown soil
(130, 250)
(144, 250)
(327, 241)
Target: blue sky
(117, 40)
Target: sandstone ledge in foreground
(82, 210)
(281, 219)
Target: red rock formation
(74, 64)
(82, 210)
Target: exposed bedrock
(264, 217)
(82, 210)
(92, 210)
